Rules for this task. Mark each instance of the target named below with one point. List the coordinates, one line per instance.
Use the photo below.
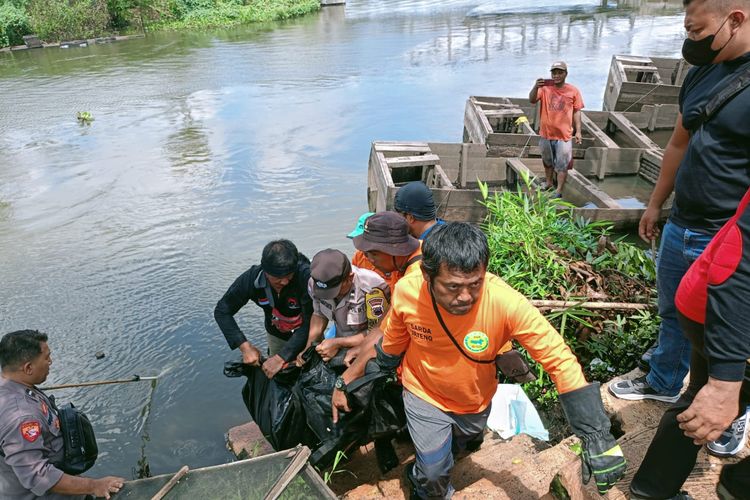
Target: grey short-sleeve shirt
(30, 441)
(350, 313)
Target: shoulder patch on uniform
(31, 430)
(376, 304)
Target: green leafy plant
(84, 117)
(14, 24)
(540, 248)
(56, 20)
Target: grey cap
(329, 268)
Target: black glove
(602, 456)
(386, 361)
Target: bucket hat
(387, 232)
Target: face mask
(699, 52)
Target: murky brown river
(122, 235)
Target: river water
(122, 235)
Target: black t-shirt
(293, 302)
(715, 172)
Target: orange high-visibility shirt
(435, 371)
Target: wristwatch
(340, 384)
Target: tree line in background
(56, 20)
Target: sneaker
(733, 439)
(556, 195)
(637, 389)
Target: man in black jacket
(279, 286)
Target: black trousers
(671, 456)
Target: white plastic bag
(512, 413)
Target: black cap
(415, 198)
(329, 268)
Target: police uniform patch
(45, 410)
(31, 430)
(376, 304)
(476, 342)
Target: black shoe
(409, 481)
(386, 455)
(683, 495)
(475, 443)
(734, 481)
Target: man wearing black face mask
(707, 163)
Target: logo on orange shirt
(477, 342)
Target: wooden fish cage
(449, 170)
(636, 81)
(508, 128)
(284, 474)
(487, 116)
(615, 166)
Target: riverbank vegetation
(542, 250)
(56, 20)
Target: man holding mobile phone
(559, 123)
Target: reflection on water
(121, 236)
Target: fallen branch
(564, 304)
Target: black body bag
(375, 407)
(80, 449)
(272, 404)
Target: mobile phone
(549, 82)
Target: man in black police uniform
(30, 439)
(279, 286)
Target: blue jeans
(670, 362)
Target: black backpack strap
(445, 327)
(736, 85)
(365, 379)
(409, 262)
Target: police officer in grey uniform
(30, 438)
(351, 297)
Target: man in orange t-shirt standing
(559, 122)
(445, 328)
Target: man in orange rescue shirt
(559, 122)
(445, 327)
